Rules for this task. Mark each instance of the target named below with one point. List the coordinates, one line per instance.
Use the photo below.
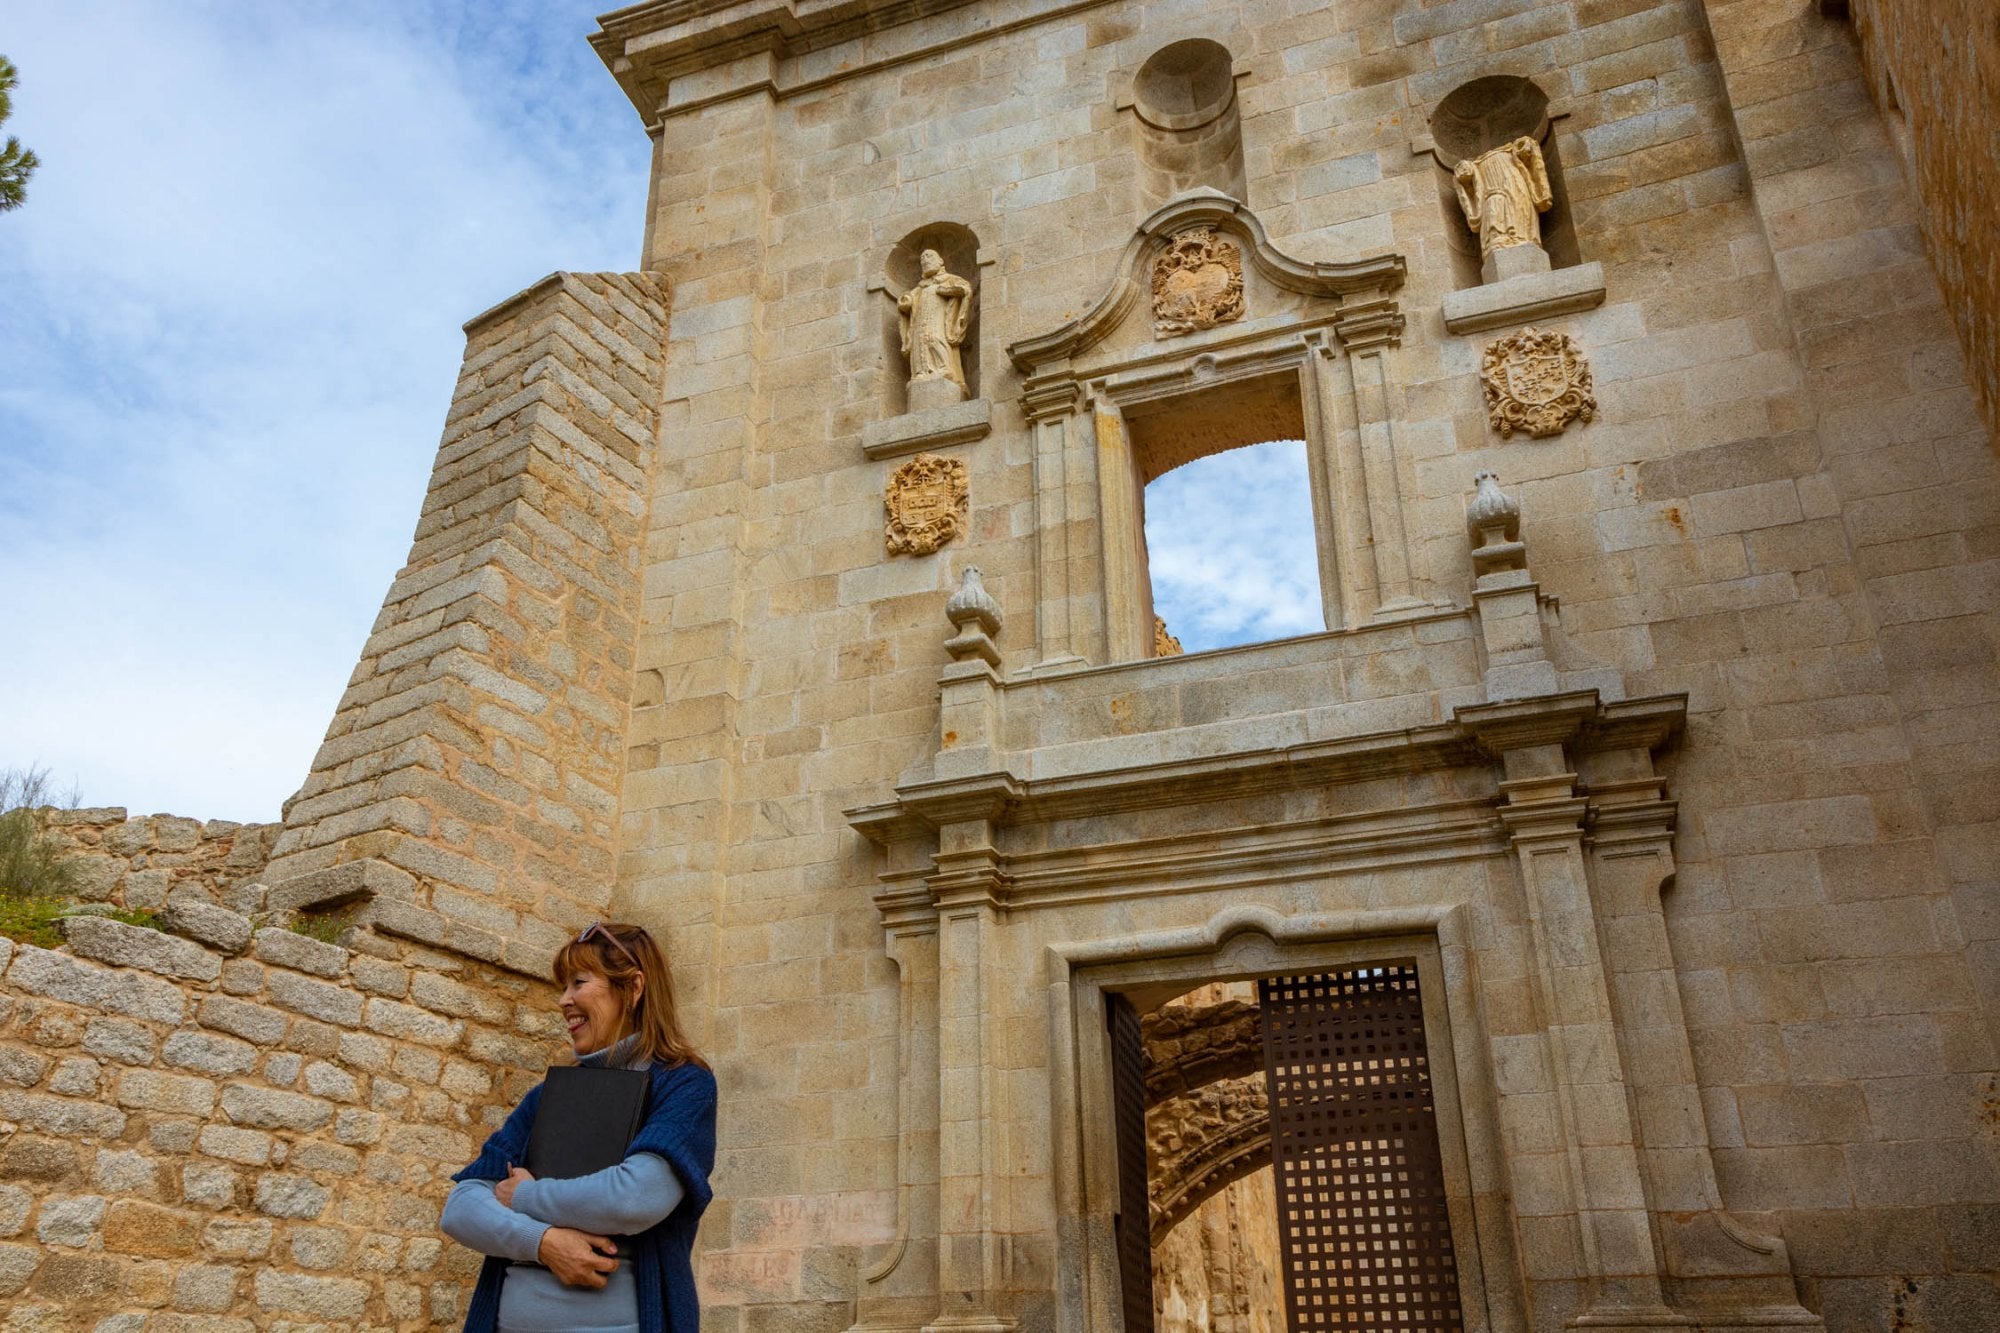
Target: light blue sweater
(622, 1200)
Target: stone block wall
(136, 861)
(215, 1140)
(1783, 508)
(1934, 67)
(469, 782)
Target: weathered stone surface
(209, 1054)
(315, 999)
(205, 1288)
(250, 1147)
(135, 946)
(319, 1297)
(252, 1022)
(268, 1108)
(217, 927)
(283, 1195)
(288, 948)
(174, 1094)
(17, 1265)
(69, 1219)
(133, 1227)
(15, 1205)
(121, 1040)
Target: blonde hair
(651, 1018)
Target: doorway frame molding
(1242, 943)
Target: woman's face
(593, 1011)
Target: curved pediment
(1212, 209)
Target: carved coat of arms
(1197, 282)
(1536, 382)
(925, 505)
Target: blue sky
(229, 327)
(1229, 544)
(228, 331)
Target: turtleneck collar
(620, 1054)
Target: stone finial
(1164, 644)
(1493, 519)
(977, 618)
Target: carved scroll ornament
(1536, 382)
(1197, 282)
(925, 505)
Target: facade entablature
(1457, 788)
(672, 56)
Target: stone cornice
(654, 48)
(1473, 737)
(1376, 276)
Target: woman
(553, 1265)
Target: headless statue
(934, 315)
(1504, 192)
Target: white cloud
(229, 333)
(1229, 543)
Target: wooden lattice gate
(1134, 1222)
(1361, 1200)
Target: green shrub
(32, 920)
(33, 863)
(326, 927)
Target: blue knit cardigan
(679, 1126)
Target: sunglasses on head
(600, 929)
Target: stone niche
(1186, 127)
(1472, 133)
(909, 426)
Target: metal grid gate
(1361, 1206)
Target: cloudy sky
(229, 326)
(228, 331)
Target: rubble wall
(137, 860)
(247, 1135)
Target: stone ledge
(1524, 298)
(958, 423)
(337, 886)
(121, 945)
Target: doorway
(1279, 1139)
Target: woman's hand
(577, 1258)
(504, 1191)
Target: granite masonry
(1649, 743)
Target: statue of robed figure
(934, 315)
(1504, 192)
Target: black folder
(586, 1120)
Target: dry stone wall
(249, 1135)
(138, 861)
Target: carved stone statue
(934, 315)
(1504, 192)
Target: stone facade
(1934, 69)
(1659, 749)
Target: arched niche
(958, 246)
(1185, 121)
(1481, 115)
